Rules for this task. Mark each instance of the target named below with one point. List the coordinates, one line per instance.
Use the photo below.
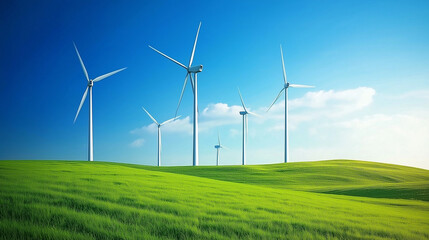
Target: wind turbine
(218, 147)
(189, 71)
(159, 132)
(245, 127)
(285, 88)
(89, 87)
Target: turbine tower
(159, 132)
(285, 89)
(218, 147)
(194, 83)
(245, 127)
(89, 87)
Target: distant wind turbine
(159, 132)
(218, 147)
(89, 86)
(195, 70)
(285, 88)
(245, 127)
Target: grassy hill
(98, 200)
(356, 178)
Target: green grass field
(336, 199)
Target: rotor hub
(90, 83)
(195, 69)
(286, 85)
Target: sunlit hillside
(312, 200)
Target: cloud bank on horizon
(335, 122)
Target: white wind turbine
(285, 88)
(218, 147)
(245, 127)
(159, 132)
(195, 70)
(89, 87)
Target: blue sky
(368, 59)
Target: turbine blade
(81, 62)
(300, 86)
(283, 64)
(107, 75)
(218, 138)
(180, 64)
(170, 120)
(81, 103)
(193, 49)
(153, 119)
(276, 99)
(242, 102)
(181, 94)
(222, 146)
(254, 114)
(192, 83)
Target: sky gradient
(369, 61)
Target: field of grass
(313, 200)
(356, 178)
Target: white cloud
(418, 94)
(181, 125)
(338, 124)
(365, 122)
(312, 106)
(137, 143)
(221, 111)
(398, 138)
(219, 114)
(341, 101)
(321, 105)
(214, 115)
(337, 127)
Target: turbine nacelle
(195, 69)
(90, 83)
(286, 85)
(217, 146)
(243, 113)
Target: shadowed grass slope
(84, 200)
(347, 177)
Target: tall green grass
(347, 177)
(84, 200)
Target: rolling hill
(338, 199)
(347, 177)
